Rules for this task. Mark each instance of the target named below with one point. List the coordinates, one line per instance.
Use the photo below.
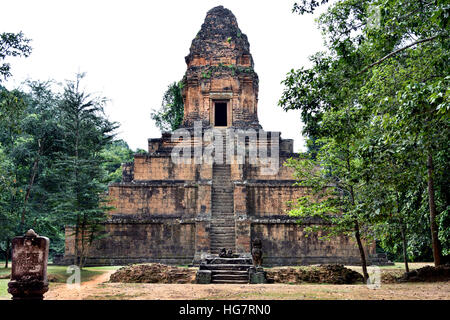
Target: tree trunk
(7, 253)
(405, 254)
(361, 252)
(31, 182)
(6, 258)
(432, 204)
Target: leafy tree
(12, 107)
(31, 150)
(170, 116)
(8, 218)
(12, 45)
(386, 70)
(114, 154)
(336, 182)
(79, 173)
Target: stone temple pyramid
(179, 210)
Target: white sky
(132, 50)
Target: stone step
(225, 267)
(234, 272)
(229, 277)
(221, 235)
(220, 231)
(222, 214)
(216, 250)
(230, 261)
(218, 245)
(220, 224)
(229, 281)
(224, 227)
(227, 215)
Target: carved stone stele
(29, 267)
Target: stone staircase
(380, 259)
(222, 230)
(228, 270)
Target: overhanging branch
(397, 51)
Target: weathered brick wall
(155, 199)
(163, 168)
(172, 242)
(288, 244)
(268, 200)
(283, 172)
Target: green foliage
(12, 106)
(12, 45)
(114, 154)
(378, 98)
(307, 6)
(78, 172)
(37, 156)
(170, 116)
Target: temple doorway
(220, 114)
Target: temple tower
(221, 86)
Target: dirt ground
(99, 288)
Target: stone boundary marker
(29, 267)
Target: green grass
(4, 271)
(4, 289)
(58, 274)
(412, 265)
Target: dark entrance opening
(220, 114)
